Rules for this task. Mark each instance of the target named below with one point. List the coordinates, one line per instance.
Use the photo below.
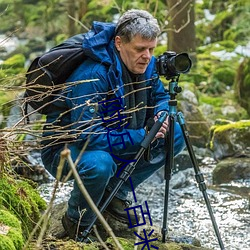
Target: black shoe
(116, 209)
(75, 231)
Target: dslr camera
(171, 65)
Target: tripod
(173, 90)
(127, 171)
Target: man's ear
(118, 43)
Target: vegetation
(220, 29)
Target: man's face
(137, 53)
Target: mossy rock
(11, 237)
(127, 244)
(21, 199)
(232, 139)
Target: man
(108, 115)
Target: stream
(187, 212)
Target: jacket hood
(98, 43)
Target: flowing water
(187, 212)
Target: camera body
(171, 65)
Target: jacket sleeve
(86, 119)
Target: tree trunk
(71, 6)
(83, 7)
(181, 27)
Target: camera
(171, 65)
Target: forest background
(214, 33)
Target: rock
(197, 125)
(125, 235)
(231, 169)
(181, 179)
(232, 139)
(190, 96)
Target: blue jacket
(84, 119)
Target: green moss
(9, 219)
(16, 237)
(225, 75)
(212, 100)
(21, 199)
(6, 96)
(13, 239)
(91, 247)
(126, 243)
(16, 61)
(228, 45)
(235, 125)
(60, 38)
(6, 243)
(13, 71)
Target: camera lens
(182, 63)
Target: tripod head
(174, 89)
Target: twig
(77, 21)
(66, 154)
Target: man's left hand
(163, 129)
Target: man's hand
(163, 129)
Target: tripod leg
(199, 176)
(168, 173)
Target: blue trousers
(97, 170)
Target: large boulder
(197, 125)
(230, 143)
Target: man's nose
(146, 54)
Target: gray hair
(137, 22)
